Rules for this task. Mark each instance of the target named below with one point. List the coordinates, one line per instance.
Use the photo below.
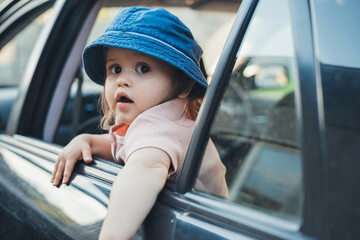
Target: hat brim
(94, 59)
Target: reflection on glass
(260, 181)
(255, 129)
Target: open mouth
(124, 99)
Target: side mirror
(266, 76)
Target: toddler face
(135, 82)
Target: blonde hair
(181, 84)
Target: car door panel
(75, 211)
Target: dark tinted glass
(255, 129)
(338, 32)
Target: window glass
(210, 29)
(338, 44)
(255, 130)
(14, 56)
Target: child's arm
(81, 147)
(134, 192)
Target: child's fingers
(86, 154)
(69, 167)
(55, 170)
(58, 172)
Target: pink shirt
(166, 127)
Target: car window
(255, 129)
(15, 55)
(210, 28)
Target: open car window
(81, 113)
(255, 128)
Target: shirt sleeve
(154, 132)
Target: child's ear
(187, 91)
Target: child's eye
(115, 69)
(142, 68)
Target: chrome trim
(220, 212)
(44, 155)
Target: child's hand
(78, 148)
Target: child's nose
(123, 82)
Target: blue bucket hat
(152, 31)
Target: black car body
(282, 109)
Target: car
(282, 109)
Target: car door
(272, 111)
(260, 112)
